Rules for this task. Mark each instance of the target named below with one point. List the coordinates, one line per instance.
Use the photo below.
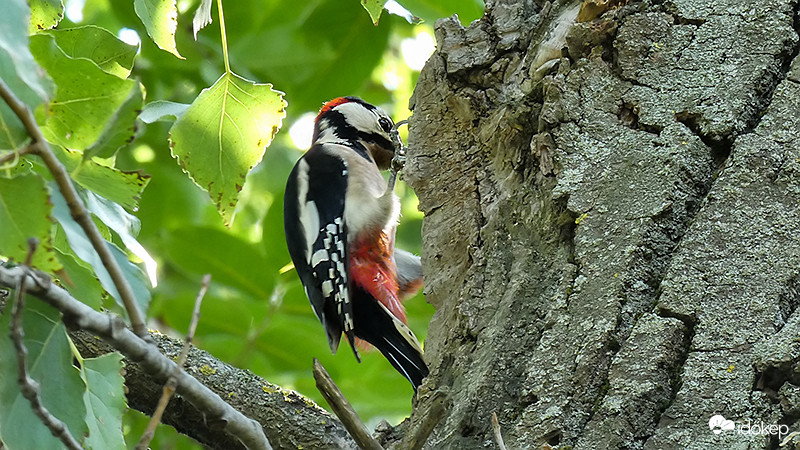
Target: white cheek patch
(360, 117)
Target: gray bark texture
(612, 230)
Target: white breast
(365, 204)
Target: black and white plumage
(320, 253)
(340, 218)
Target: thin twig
(432, 407)
(172, 382)
(343, 410)
(77, 209)
(27, 385)
(112, 329)
(498, 436)
(14, 155)
(33, 244)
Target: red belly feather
(372, 268)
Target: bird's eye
(385, 124)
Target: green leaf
(120, 129)
(156, 110)
(16, 166)
(223, 311)
(99, 45)
(19, 71)
(49, 363)
(224, 134)
(430, 10)
(312, 60)
(105, 401)
(77, 276)
(83, 248)
(160, 18)
(166, 437)
(125, 225)
(25, 213)
(374, 8)
(116, 185)
(273, 237)
(45, 14)
(229, 260)
(85, 96)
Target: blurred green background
(256, 315)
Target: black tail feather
(408, 361)
(375, 324)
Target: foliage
(119, 117)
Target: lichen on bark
(610, 242)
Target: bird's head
(353, 119)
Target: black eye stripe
(378, 139)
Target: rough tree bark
(612, 248)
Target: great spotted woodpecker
(340, 217)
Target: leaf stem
(10, 159)
(224, 37)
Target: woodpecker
(340, 217)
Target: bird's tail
(374, 323)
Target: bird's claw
(399, 160)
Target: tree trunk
(611, 237)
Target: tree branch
(111, 328)
(288, 419)
(76, 208)
(431, 407)
(172, 382)
(343, 410)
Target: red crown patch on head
(333, 103)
